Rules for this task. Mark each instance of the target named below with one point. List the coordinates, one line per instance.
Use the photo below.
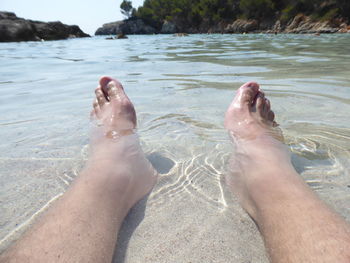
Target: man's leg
(82, 226)
(295, 224)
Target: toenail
(113, 92)
(112, 89)
(253, 85)
(111, 85)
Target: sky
(87, 14)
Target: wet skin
(295, 224)
(115, 144)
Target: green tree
(344, 6)
(257, 9)
(201, 14)
(126, 8)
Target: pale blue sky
(88, 14)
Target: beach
(181, 88)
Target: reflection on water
(181, 88)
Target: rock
(344, 28)
(181, 35)
(57, 30)
(242, 26)
(168, 28)
(17, 30)
(294, 24)
(13, 28)
(137, 26)
(121, 36)
(7, 15)
(113, 28)
(302, 24)
(128, 27)
(323, 27)
(277, 27)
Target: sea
(181, 88)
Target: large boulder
(242, 26)
(127, 27)
(13, 28)
(168, 28)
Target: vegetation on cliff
(206, 13)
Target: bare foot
(115, 150)
(249, 115)
(257, 142)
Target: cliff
(300, 24)
(237, 16)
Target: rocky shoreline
(300, 24)
(15, 29)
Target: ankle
(278, 188)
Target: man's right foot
(115, 148)
(258, 147)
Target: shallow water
(181, 87)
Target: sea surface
(181, 87)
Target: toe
(95, 104)
(247, 94)
(111, 88)
(96, 107)
(262, 93)
(271, 116)
(103, 84)
(92, 114)
(267, 106)
(260, 104)
(105, 80)
(101, 99)
(114, 90)
(264, 111)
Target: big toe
(122, 107)
(111, 88)
(246, 95)
(105, 80)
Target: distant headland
(232, 16)
(13, 28)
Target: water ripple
(181, 88)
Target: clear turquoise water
(181, 87)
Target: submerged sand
(180, 90)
